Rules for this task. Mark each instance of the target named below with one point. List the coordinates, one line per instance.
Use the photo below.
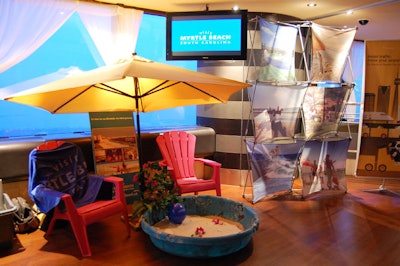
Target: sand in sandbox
(200, 226)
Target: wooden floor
(353, 228)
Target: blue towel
(52, 173)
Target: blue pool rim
(207, 247)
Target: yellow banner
(382, 69)
(380, 145)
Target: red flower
(200, 232)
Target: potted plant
(158, 192)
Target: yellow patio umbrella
(136, 85)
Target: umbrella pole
(139, 141)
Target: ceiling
(383, 16)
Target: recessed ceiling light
(349, 12)
(235, 7)
(311, 4)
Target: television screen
(208, 35)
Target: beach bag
(25, 217)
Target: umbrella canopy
(131, 85)
(137, 85)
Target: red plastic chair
(79, 217)
(178, 151)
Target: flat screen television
(207, 35)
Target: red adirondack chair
(52, 181)
(178, 151)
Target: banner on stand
(380, 143)
(276, 110)
(115, 147)
(323, 165)
(330, 48)
(278, 44)
(323, 108)
(273, 166)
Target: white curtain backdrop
(26, 24)
(113, 29)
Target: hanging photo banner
(323, 165)
(330, 48)
(276, 110)
(323, 107)
(273, 166)
(115, 148)
(278, 44)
